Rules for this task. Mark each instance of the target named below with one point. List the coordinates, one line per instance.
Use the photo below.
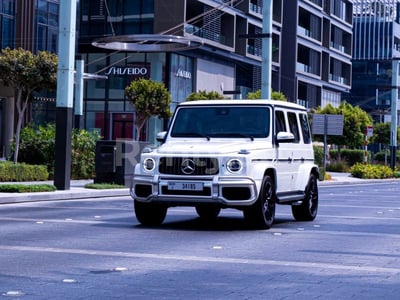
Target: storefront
(106, 107)
(107, 110)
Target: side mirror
(284, 137)
(161, 136)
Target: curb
(73, 194)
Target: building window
(116, 17)
(343, 10)
(47, 25)
(330, 97)
(7, 23)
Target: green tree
(382, 133)
(204, 95)
(26, 73)
(150, 98)
(274, 95)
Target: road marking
(208, 259)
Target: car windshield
(222, 122)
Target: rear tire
(261, 215)
(150, 214)
(208, 212)
(307, 210)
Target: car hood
(213, 147)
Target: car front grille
(188, 166)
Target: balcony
(254, 50)
(255, 8)
(339, 79)
(206, 34)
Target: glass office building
(376, 35)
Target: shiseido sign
(183, 74)
(137, 70)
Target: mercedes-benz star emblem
(188, 166)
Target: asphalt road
(95, 249)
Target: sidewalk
(78, 191)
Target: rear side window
(279, 121)
(293, 126)
(305, 128)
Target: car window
(293, 126)
(279, 121)
(305, 128)
(222, 122)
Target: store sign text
(127, 71)
(183, 74)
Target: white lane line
(95, 221)
(208, 259)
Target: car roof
(243, 102)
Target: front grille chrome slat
(188, 166)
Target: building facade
(311, 52)
(31, 25)
(318, 72)
(376, 34)
(311, 57)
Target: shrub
(37, 146)
(26, 188)
(318, 155)
(380, 156)
(83, 153)
(367, 171)
(350, 156)
(340, 166)
(22, 172)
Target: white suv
(243, 154)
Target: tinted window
(293, 126)
(221, 121)
(305, 129)
(279, 121)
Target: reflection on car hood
(212, 147)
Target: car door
(284, 155)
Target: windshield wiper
(191, 134)
(234, 134)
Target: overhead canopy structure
(148, 43)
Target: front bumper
(226, 191)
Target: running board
(289, 197)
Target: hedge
(10, 172)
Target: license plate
(185, 186)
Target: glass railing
(255, 8)
(207, 34)
(300, 67)
(337, 46)
(339, 79)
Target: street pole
(394, 96)
(64, 102)
(78, 104)
(266, 53)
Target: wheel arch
(302, 181)
(272, 174)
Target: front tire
(307, 210)
(261, 215)
(150, 214)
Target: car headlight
(234, 165)
(149, 164)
